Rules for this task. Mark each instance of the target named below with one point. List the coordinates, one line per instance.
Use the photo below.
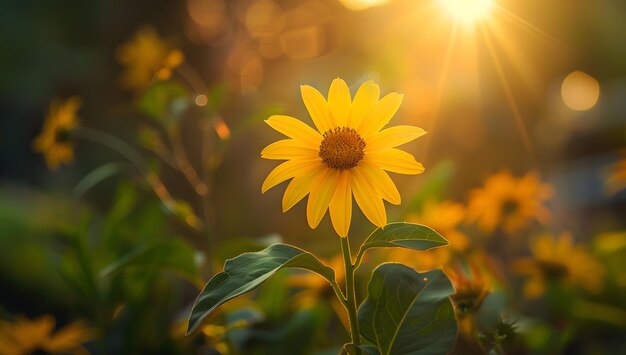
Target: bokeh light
(356, 5)
(580, 92)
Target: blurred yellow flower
(347, 155)
(27, 336)
(146, 56)
(444, 217)
(509, 203)
(54, 140)
(559, 260)
(470, 285)
(616, 179)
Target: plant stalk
(351, 294)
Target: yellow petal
(287, 170)
(393, 136)
(294, 128)
(365, 195)
(289, 149)
(364, 100)
(341, 205)
(339, 101)
(394, 160)
(380, 114)
(300, 186)
(318, 108)
(320, 196)
(381, 181)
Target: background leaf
(407, 312)
(406, 235)
(246, 272)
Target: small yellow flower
(347, 155)
(146, 56)
(54, 140)
(616, 179)
(27, 336)
(444, 217)
(559, 260)
(470, 285)
(509, 203)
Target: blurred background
(130, 167)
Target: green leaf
(407, 312)
(248, 271)
(351, 349)
(165, 102)
(405, 235)
(172, 255)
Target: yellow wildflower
(470, 285)
(616, 179)
(509, 203)
(444, 217)
(146, 56)
(54, 140)
(347, 155)
(559, 260)
(27, 336)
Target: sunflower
(444, 217)
(54, 140)
(559, 260)
(509, 203)
(347, 155)
(27, 336)
(146, 56)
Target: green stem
(350, 293)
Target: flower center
(62, 135)
(342, 148)
(510, 207)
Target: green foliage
(405, 235)
(248, 271)
(407, 312)
(165, 102)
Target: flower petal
(294, 128)
(394, 160)
(341, 205)
(318, 108)
(320, 196)
(393, 136)
(380, 114)
(365, 195)
(381, 181)
(287, 170)
(300, 186)
(364, 100)
(289, 149)
(339, 102)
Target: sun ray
(443, 77)
(530, 28)
(510, 98)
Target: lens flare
(467, 11)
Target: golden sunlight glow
(467, 11)
(356, 5)
(580, 92)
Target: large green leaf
(407, 312)
(406, 235)
(246, 272)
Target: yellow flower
(559, 260)
(54, 140)
(146, 56)
(616, 179)
(509, 203)
(470, 285)
(28, 336)
(444, 217)
(348, 155)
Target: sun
(467, 11)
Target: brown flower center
(342, 148)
